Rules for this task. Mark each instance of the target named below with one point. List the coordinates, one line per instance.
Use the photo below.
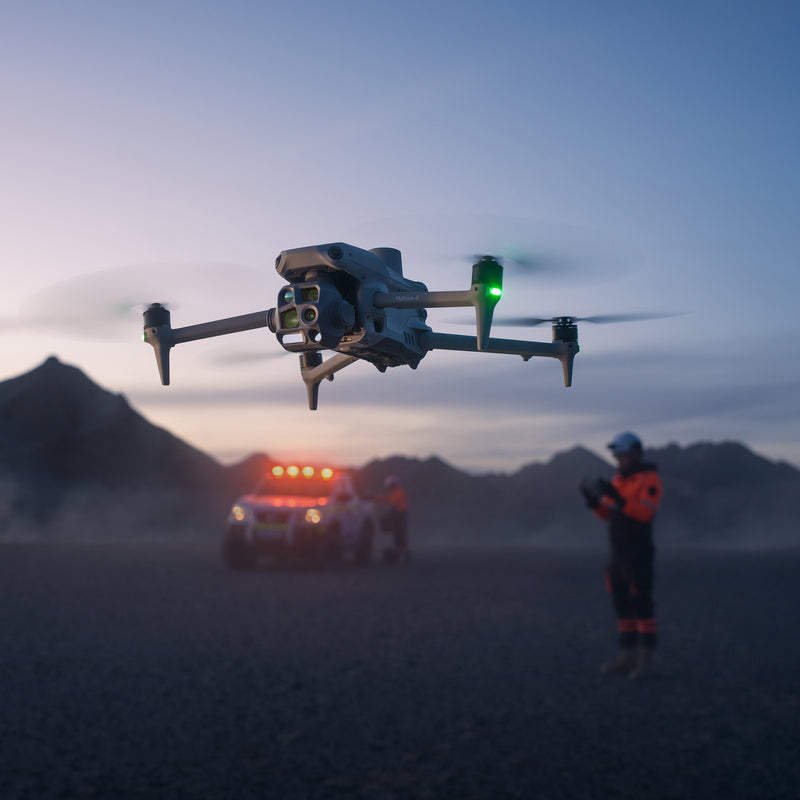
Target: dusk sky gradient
(659, 140)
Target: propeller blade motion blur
(597, 319)
(108, 303)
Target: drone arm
(483, 296)
(424, 299)
(159, 333)
(564, 351)
(313, 371)
(219, 327)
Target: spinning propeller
(597, 319)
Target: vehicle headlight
(241, 513)
(314, 516)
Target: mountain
(715, 494)
(71, 449)
(249, 472)
(77, 460)
(725, 493)
(539, 502)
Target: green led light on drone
(495, 291)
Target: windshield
(294, 487)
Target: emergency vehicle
(303, 512)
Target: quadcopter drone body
(358, 303)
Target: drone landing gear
(314, 370)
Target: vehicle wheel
(363, 551)
(237, 553)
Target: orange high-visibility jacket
(630, 527)
(396, 497)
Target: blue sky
(186, 134)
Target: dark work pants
(397, 523)
(629, 579)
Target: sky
(170, 150)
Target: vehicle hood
(263, 502)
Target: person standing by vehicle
(396, 519)
(629, 503)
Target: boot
(644, 664)
(622, 664)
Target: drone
(359, 304)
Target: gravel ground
(150, 671)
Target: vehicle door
(346, 503)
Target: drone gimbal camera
(358, 303)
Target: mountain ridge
(76, 459)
